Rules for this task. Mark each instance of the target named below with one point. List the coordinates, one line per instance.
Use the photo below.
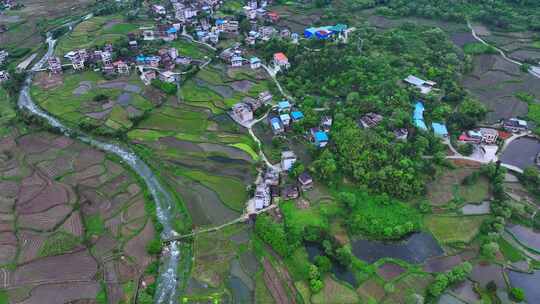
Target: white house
(237, 61)
(159, 9)
(288, 158)
(425, 86)
(167, 76)
(255, 63)
(4, 76)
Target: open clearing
(451, 229)
(448, 187)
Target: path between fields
(501, 52)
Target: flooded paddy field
(521, 152)
(67, 212)
(416, 249)
(527, 282)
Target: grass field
(450, 229)
(302, 217)
(231, 191)
(477, 48)
(59, 243)
(510, 253)
(334, 293)
(247, 148)
(448, 187)
(7, 113)
(534, 115)
(189, 49)
(96, 31)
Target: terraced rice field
(95, 32)
(52, 246)
(76, 100)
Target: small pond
(415, 249)
(340, 272)
(521, 152)
(528, 282)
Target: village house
(267, 32)
(133, 44)
(263, 198)
(232, 26)
(401, 134)
(242, 112)
(272, 16)
(271, 177)
(55, 65)
(159, 9)
(418, 116)
(295, 37)
(250, 13)
(285, 119)
(4, 76)
(183, 60)
(326, 123)
(265, 97)
(149, 35)
(168, 77)
(305, 181)
(284, 106)
(121, 67)
(289, 192)
(370, 120)
(277, 126)
(482, 135)
(148, 76)
(285, 34)
(318, 137)
(254, 104)
(425, 86)
(281, 61)
(255, 63)
(237, 61)
(515, 125)
(288, 158)
(250, 40)
(106, 58)
(3, 56)
(297, 116)
(252, 4)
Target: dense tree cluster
(505, 14)
(445, 280)
(378, 216)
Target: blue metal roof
(420, 124)
(254, 60)
(297, 115)
(418, 110)
(320, 136)
(284, 104)
(172, 30)
(439, 129)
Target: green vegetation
(94, 225)
(510, 252)
(96, 32)
(453, 229)
(58, 243)
(232, 192)
(189, 49)
(517, 294)
(477, 48)
(4, 299)
(248, 149)
(444, 280)
(378, 217)
(504, 14)
(167, 88)
(101, 297)
(301, 218)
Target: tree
(315, 283)
(297, 169)
(325, 166)
(517, 294)
(489, 250)
(154, 247)
(344, 255)
(323, 263)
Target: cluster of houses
(243, 112)
(7, 4)
(272, 186)
(4, 76)
(439, 129)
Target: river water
(167, 288)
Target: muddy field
(71, 219)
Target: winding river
(167, 288)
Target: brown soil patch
(51, 196)
(7, 253)
(89, 172)
(45, 221)
(370, 289)
(34, 143)
(63, 293)
(9, 189)
(136, 247)
(389, 271)
(48, 81)
(104, 247)
(61, 268)
(135, 211)
(8, 238)
(273, 282)
(87, 158)
(31, 243)
(73, 224)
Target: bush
(517, 294)
(168, 88)
(101, 98)
(154, 247)
(465, 149)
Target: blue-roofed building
(297, 115)
(439, 129)
(320, 138)
(277, 126)
(324, 32)
(255, 62)
(141, 59)
(284, 106)
(418, 116)
(172, 30)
